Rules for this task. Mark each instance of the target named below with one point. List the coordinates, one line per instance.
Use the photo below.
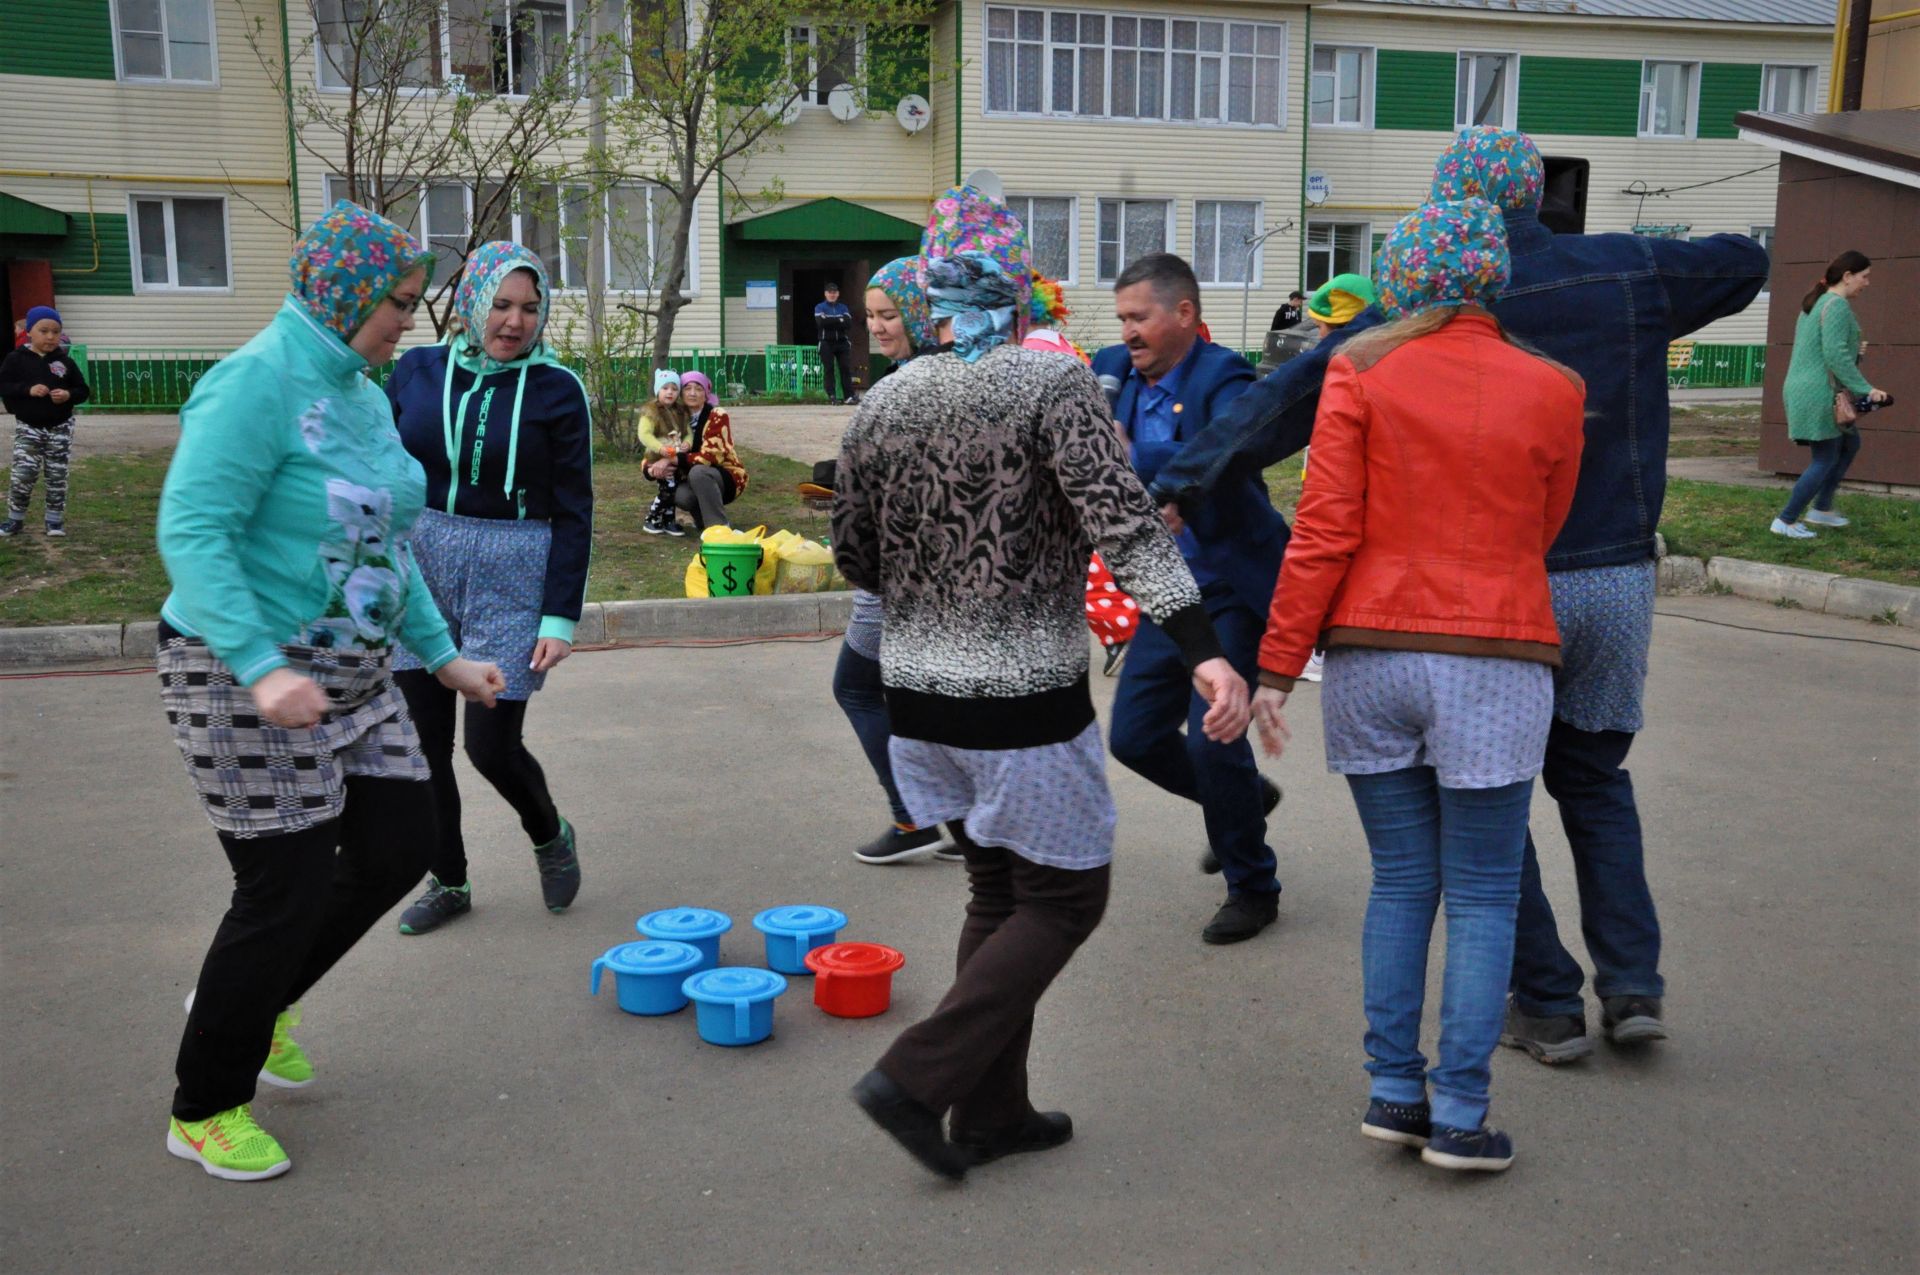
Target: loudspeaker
(1563, 205)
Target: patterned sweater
(968, 496)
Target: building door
(803, 285)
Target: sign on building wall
(763, 294)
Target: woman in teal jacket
(1826, 361)
(283, 526)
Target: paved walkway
(476, 1110)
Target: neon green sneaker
(287, 1063)
(229, 1145)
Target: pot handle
(599, 965)
(742, 1019)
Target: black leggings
(497, 751)
(301, 900)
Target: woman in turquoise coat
(1826, 361)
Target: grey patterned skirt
(256, 779)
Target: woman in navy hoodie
(503, 431)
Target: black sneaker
(913, 1126)
(1241, 917)
(1115, 653)
(56, 529)
(440, 904)
(1484, 1150)
(1043, 1131)
(904, 845)
(1557, 1039)
(559, 869)
(13, 526)
(1270, 795)
(1632, 1020)
(673, 527)
(1406, 1124)
(657, 517)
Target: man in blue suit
(1166, 383)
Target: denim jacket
(1607, 306)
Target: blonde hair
(1368, 348)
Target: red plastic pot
(853, 980)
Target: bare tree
(713, 81)
(398, 98)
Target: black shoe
(673, 527)
(1487, 1150)
(559, 869)
(1043, 1131)
(1270, 795)
(1115, 653)
(440, 904)
(657, 517)
(56, 529)
(913, 1126)
(1557, 1039)
(1406, 1124)
(1241, 917)
(13, 526)
(1632, 1020)
(905, 845)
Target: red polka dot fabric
(1111, 614)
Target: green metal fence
(1693, 365)
(795, 370)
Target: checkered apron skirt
(256, 779)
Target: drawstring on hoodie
(453, 423)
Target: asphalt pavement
(476, 1110)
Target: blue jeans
(1465, 844)
(1584, 775)
(1831, 459)
(857, 689)
(1156, 697)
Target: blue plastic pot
(734, 1005)
(795, 930)
(647, 976)
(698, 927)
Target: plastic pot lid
(684, 923)
(800, 918)
(654, 956)
(854, 959)
(730, 985)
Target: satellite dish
(843, 103)
(786, 109)
(913, 113)
(988, 183)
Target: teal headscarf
(979, 296)
(900, 280)
(1495, 164)
(487, 269)
(1443, 254)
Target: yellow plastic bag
(803, 566)
(697, 578)
(770, 547)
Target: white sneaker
(1791, 530)
(1826, 518)
(1316, 663)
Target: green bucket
(730, 568)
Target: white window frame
(1308, 248)
(1167, 240)
(1767, 70)
(813, 95)
(1755, 233)
(1367, 61)
(166, 51)
(1281, 65)
(1510, 104)
(1259, 256)
(140, 286)
(1692, 129)
(1072, 277)
(444, 79)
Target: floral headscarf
(1494, 164)
(487, 269)
(967, 220)
(900, 280)
(1443, 254)
(348, 262)
(979, 296)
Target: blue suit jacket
(1242, 536)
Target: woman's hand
(475, 681)
(548, 652)
(1270, 721)
(660, 469)
(38, 391)
(1878, 396)
(289, 699)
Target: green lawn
(1705, 520)
(107, 569)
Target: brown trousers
(1024, 923)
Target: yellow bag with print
(804, 566)
(770, 549)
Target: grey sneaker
(1632, 1020)
(1560, 1038)
(440, 904)
(559, 869)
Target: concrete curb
(1820, 591)
(618, 623)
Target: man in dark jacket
(41, 385)
(835, 323)
(1166, 382)
(1607, 306)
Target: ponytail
(1848, 262)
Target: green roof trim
(827, 219)
(22, 217)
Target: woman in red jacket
(1444, 460)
